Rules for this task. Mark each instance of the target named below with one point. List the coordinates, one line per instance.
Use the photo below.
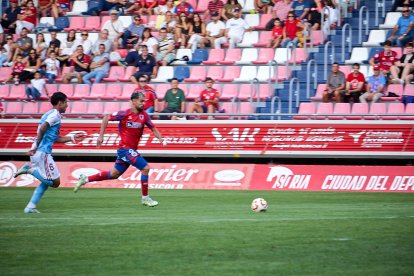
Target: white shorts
(45, 165)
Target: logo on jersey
(133, 125)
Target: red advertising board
(228, 138)
(234, 176)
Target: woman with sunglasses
(40, 45)
(182, 28)
(66, 47)
(7, 52)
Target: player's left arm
(158, 135)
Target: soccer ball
(259, 205)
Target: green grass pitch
(199, 232)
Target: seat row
(357, 111)
(117, 91)
(398, 89)
(95, 109)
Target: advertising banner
(233, 177)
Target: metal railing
(292, 81)
(379, 4)
(325, 58)
(344, 28)
(308, 76)
(366, 23)
(272, 107)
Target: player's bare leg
(83, 179)
(146, 200)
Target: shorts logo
(133, 125)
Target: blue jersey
(54, 119)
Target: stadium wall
(232, 138)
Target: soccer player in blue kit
(131, 126)
(42, 166)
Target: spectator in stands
(146, 65)
(54, 41)
(331, 14)
(169, 24)
(281, 9)
(235, 28)
(147, 7)
(277, 34)
(115, 28)
(18, 68)
(166, 45)
(227, 12)
(291, 29)
(208, 101)
(168, 7)
(215, 31)
(197, 33)
(60, 8)
(403, 31)
(65, 50)
(133, 33)
(174, 100)
(375, 87)
(84, 42)
(7, 52)
(335, 85)
(27, 17)
(402, 3)
(33, 62)
(182, 27)
(102, 39)
(102, 5)
(148, 40)
(354, 85)
(121, 6)
(151, 100)
(213, 6)
(385, 59)
(301, 8)
(262, 6)
(402, 68)
(315, 14)
(35, 90)
(52, 65)
(185, 8)
(40, 45)
(99, 67)
(9, 18)
(80, 63)
(23, 44)
(45, 6)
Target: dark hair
(58, 97)
(174, 79)
(387, 43)
(335, 63)
(137, 95)
(356, 64)
(409, 44)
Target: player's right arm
(40, 133)
(104, 123)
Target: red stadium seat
(245, 108)
(229, 91)
(17, 92)
(44, 107)
(115, 73)
(319, 92)
(194, 91)
(5, 73)
(81, 91)
(376, 109)
(13, 109)
(202, 6)
(340, 108)
(230, 73)
(214, 57)
(130, 70)
(299, 55)
(409, 90)
(215, 72)
(264, 38)
(394, 108)
(358, 109)
(76, 23)
(265, 56)
(98, 91)
(232, 55)
(4, 91)
(111, 107)
(161, 89)
(94, 110)
(324, 108)
(125, 106)
(197, 74)
(67, 88)
(65, 70)
(30, 110)
(77, 109)
(113, 91)
(92, 23)
(264, 19)
(51, 88)
(127, 91)
(409, 111)
(395, 88)
(245, 92)
(305, 111)
(265, 92)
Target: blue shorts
(128, 157)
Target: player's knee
(145, 171)
(56, 183)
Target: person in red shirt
(385, 59)
(277, 34)
(291, 29)
(151, 100)
(354, 86)
(208, 101)
(185, 8)
(60, 8)
(17, 70)
(27, 17)
(131, 126)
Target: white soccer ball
(259, 205)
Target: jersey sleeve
(53, 118)
(117, 116)
(148, 121)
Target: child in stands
(17, 70)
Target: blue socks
(36, 174)
(40, 190)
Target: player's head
(137, 100)
(59, 100)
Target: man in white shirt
(52, 66)
(84, 42)
(115, 28)
(215, 31)
(99, 67)
(235, 28)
